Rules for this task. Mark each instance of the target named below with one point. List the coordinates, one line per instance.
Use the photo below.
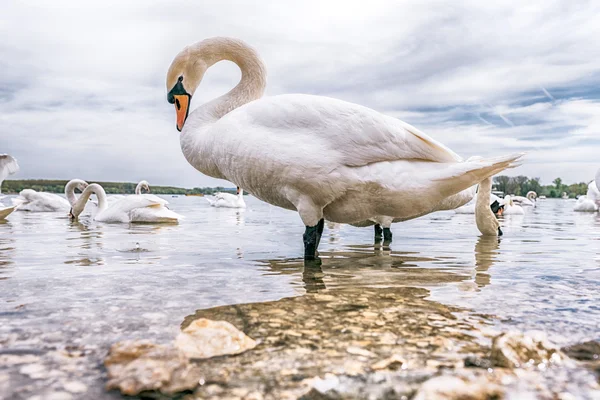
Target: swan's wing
(154, 214)
(119, 211)
(8, 166)
(341, 132)
(155, 199)
(225, 196)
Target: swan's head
(184, 76)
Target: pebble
(75, 387)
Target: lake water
(84, 284)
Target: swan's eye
(180, 78)
(178, 104)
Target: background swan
(228, 200)
(487, 223)
(128, 209)
(8, 166)
(585, 204)
(590, 202)
(30, 200)
(510, 208)
(528, 201)
(323, 157)
(142, 185)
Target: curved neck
(81, 202)
(140, 185)
(597, 179)
(483, 193)
(70, 190)
(251, 86)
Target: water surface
(85, 285)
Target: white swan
(8, 166)
(585, 204)
(510, 208)
(228, 200)
(487, 223)
(138, 190)
(142, 208)
(529, 200)
(597, 180)
(590, 202)
(30, 200)
(323, 157)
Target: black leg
(500, 232)
(320, 227)
(378, 232)
(387, 235)
(311, 240)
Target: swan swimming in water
(30, 200)
(8, 166)
(590, 202)
(322, 157)
(137, 208)
(510, 208)
(228, 200)
(528, 200)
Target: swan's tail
(5, 211)
(210, 201)
(466, 174)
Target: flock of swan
(322, 157)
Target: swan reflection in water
(486, 254)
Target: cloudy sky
(82, 90)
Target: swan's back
(350, 134)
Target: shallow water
(88, 284)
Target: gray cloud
(82, 85)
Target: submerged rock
(137, 366)
(457, 388)
(204, 338)
(515, 349)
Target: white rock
(204, 338)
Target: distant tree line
(520, 185)
(58, 186)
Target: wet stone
(516, 349)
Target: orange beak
(182, 107)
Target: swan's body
(590, 202)
(30, 200)
(585, 204)
(5, 211)
(228, 200)
(8, 166)
(510, 208)
(486, 221)
(323, 157)
(528, 201)
(146, 208)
